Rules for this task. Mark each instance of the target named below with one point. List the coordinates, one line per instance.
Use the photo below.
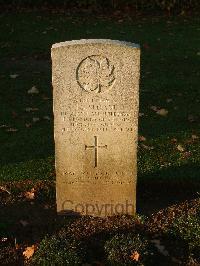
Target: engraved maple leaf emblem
(96, 74)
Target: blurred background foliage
(169, 6)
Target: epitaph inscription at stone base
(95, 94)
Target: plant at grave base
(186, 230)
(9, 255)
(128, 249)
(59, 250)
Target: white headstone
(95, 93)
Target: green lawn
(170, 75)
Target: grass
(169, 79)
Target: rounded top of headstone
(96, 41)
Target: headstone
(95, 93)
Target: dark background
(128, 6)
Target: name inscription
(97, 116)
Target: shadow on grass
(166, 187)
(30, 220)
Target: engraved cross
(95, 147)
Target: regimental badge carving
(95, 74)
